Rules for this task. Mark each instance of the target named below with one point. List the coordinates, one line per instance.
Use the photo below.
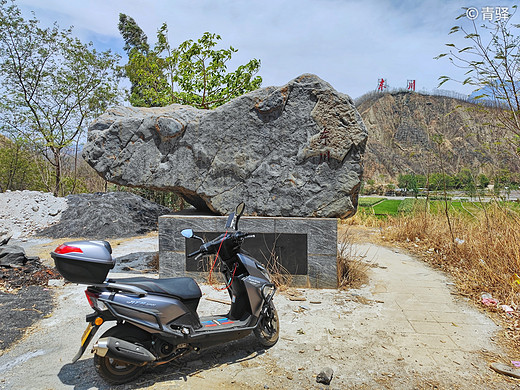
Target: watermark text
(488, 13)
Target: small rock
(325, 376)
(56, 283)
(506, 370)
(317, 348)
(35, 208)
(12, 256)
(5, 237)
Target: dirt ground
(405, 329)
(20, 310)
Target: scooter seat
(183, 288)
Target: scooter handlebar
(205, 247)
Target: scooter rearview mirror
(188, 233)
(240, 209)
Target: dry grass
(364, 217)
(352, 269)
(280, 276)
(154, 262)
(483, 258)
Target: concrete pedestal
(318, 270)
(319, 235)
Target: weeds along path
(402, 330)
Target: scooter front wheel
(115, 371)
(268, 329)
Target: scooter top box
(86, 262)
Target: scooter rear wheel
(268, 329)
(115, 371)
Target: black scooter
(156, 319)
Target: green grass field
(368, 201)
(382, 206)
(387, 207)
(407, 205)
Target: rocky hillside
(403, 127)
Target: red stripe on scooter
(210, 325)
(225, 323)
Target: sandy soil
(405, 329)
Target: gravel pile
(90, 216)
(23, 213)
(106, 215)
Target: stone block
(319, 269)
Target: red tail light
(63, 249)
(92, 298)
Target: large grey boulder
(285, 151)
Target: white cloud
(348, 43)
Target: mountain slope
(403, 128)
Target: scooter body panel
(254, 268)
(253, 286)
(151, 312)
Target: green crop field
(387, 207)
(407, 205)
(367, 201)
(457, 206)
(381, 207)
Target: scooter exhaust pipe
(123, 350)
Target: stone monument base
(306, 248)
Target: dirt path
(403, 330)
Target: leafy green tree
(51, 85)
(437, 181)
(133, 35)
(410, 182)
(18, 167)
(483, 180)
(491, 58)
(195, 73)
(466, 181)
(145, 69)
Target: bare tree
(491, 58)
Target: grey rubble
(104, 215)
(262, 148)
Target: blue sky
(350, 44)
